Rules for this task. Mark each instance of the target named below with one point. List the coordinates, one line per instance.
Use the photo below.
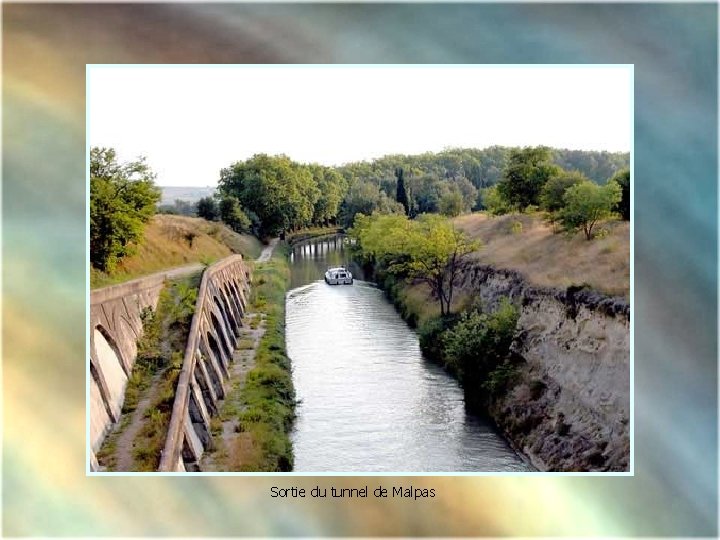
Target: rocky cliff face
(569, 408)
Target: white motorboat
(338, 276)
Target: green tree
(332, 187)
(231, 213)
(553, 192)
(280, 192)
(451, 203)
(123, 197)
(622, 178)
(365, 198)
(207, 208)
(468, 191)
(402, 196)
(479, 343)
(587, 203)
(527, 171)
(493, 202)
(428, 249)
(426, 193)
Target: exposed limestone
(570, 409)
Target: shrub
(551, 196)
(479, 343)
(494, 203)
(500, 378)
(622, 207)
(587, 203)
(430, 336)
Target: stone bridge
(214, 332)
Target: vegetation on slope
(171, 241)
(528, 244)
(267, 400)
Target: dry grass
(244, 453)
(553, 259)
(175, 241)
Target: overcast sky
(191, 121)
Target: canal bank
(368, 400)
(252, 429)
(564, 400)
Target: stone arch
(111, 366)
(206, 385)
(237, 312)
(214, 364)
(222, 338)
(110, 340)
(227, 316)
(216, 351)
(238, 295)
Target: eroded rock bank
(569, 407)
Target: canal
(368, 400)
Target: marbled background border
(674, 50)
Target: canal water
(369, 401)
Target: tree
(402, 196)
(551, 197)
(231, 214)
(365, 198)
(123, 197)
(179, 208)
(493, 202)
(451, 204)
(428, 249)
(332, 187)
(586, 203)
(622, 178)
(280, 192)
(468, 191)
(426, 193)
(526, 173)
(207, 209)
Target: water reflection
(369, 400)
(310, 259)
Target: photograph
(360, 269)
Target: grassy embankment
(527, 244)
(153, 379)
(265, 404)
(170, 241)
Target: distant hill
(188, 194)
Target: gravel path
(267, 251)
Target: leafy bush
(622, 207)
(586, 203)
(495, 204)
(232, 214)
(479, 343)
(553, 192)
(430, 335)
(500, 378)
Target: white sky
(191, 121)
